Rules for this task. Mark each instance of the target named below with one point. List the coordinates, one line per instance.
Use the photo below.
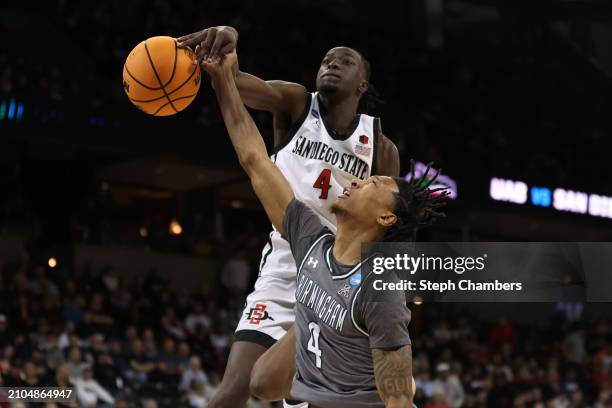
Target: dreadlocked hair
(416, 205)
(371, 97)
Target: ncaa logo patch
(315, 113)
(355, 279)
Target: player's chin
(327, 88)
(337, 207)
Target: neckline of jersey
(333, 133)
(335, 262)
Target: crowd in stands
(123, 343)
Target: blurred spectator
(140, 365)
(438, 401)
(169, 362)
(172, 325)
(193, 373)
(197, 394)
(197, 320)
(574, 346)
(4, 335)
(74, 362)
(236, 273)
(449, 385)
(107, 371)
(62, 377)
(64, 338)
(89, 391)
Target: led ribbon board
(518, 192)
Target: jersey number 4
(323, 183)
(313, 343)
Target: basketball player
(352, 351)
(321, 144)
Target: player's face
(371, 201)
(342, 72)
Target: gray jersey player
(336, 326)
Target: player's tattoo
(393, 373)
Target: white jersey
(318, 164)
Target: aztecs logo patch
(363, 139)
(258, 313)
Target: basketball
(159, 78)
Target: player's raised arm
(268, 182)
(278, 97)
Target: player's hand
(221, 65)
(210, 42)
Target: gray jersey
(335, 325)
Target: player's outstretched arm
(278, 97)
(393, 374)
(269, 184)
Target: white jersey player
(322, 142)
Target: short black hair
(416, 205)
(371, 97)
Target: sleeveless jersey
(318, 163)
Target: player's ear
(363, 87)
(387, 219)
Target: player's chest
(327, 299)
(313, 147)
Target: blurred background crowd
(141, 342)
(128, 243)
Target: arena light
(11, 109)
(417, 300)
(52, 262)
(560, 199)
(175, 228)
(143, 231)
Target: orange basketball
(160, 78)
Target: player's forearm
(269, 184)
(393, 374)
(242, 130)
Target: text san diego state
(311, 149)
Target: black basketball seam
(158, 78)
(169, 93)
(173, 100)
(174, 67)
(140, 83)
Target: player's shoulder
(387, 157)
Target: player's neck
(347, 247)
(340, 112)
